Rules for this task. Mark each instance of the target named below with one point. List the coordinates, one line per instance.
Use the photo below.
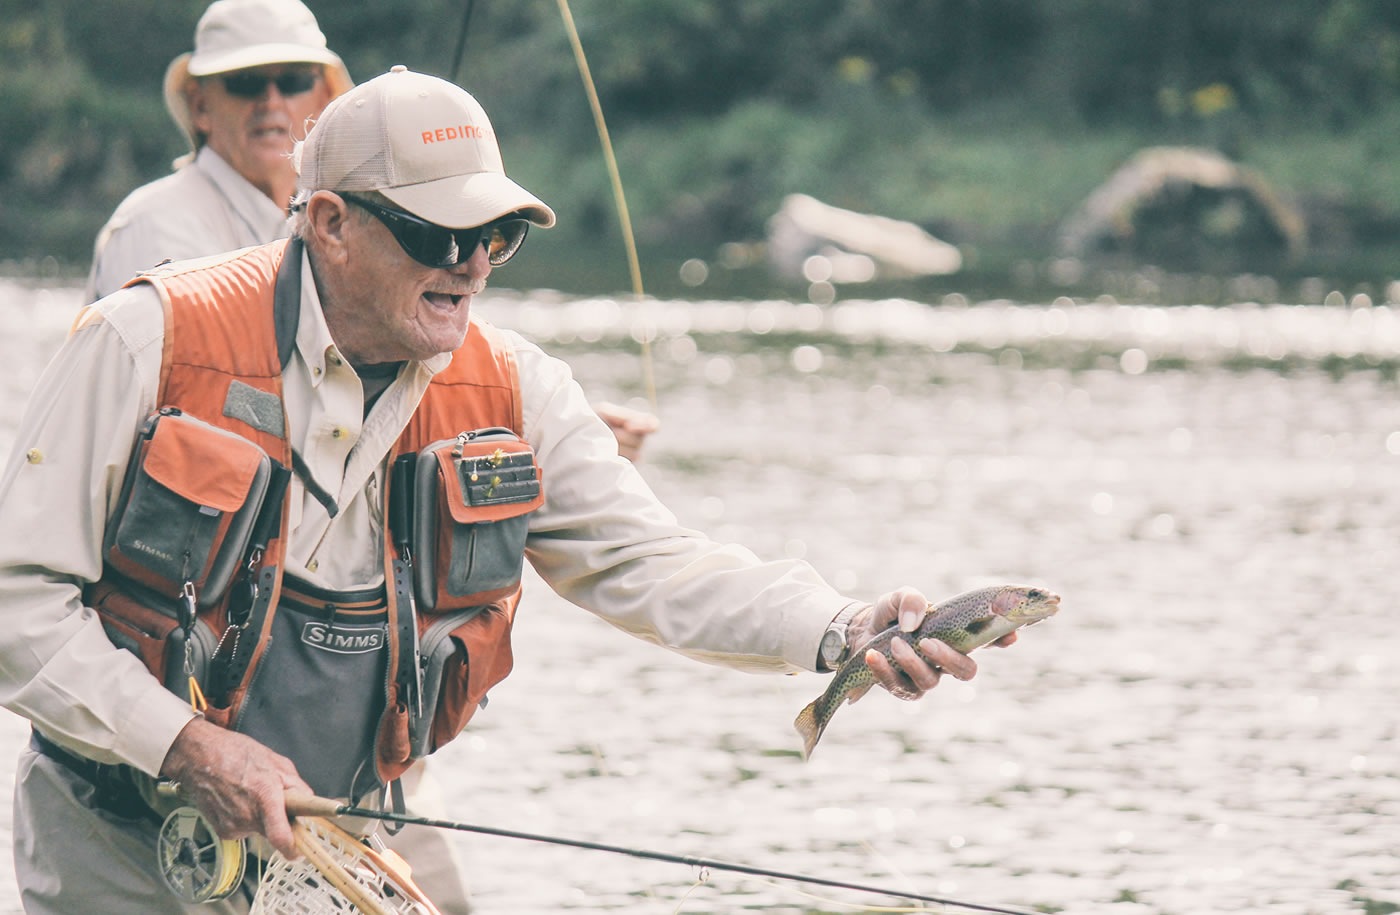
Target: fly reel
(197, 865)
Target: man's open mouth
(442, 299)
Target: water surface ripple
(1208, 726)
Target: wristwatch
(834, 648)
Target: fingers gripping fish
(965, 622)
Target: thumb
(905, 605)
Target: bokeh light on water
(1208, 726)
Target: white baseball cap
(423, 143)
(236, 34)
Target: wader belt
(114, 786)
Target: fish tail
(810, 726)
(813, 719)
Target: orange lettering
(455, 132)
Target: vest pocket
(464, 654)
(147, 626)
(472, 498)
(189, 499)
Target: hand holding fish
(915, 667)
(905, 643)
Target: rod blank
(306, 805)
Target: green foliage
(979, 116)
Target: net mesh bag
(337, 873)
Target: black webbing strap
(286, 316)
(286, 301)
(410, 672)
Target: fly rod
(462, 41)
(629, 240)
(304, 805)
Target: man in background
(259, 71)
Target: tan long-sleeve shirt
(203, 207)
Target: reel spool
(196, 864)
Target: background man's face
(254, 134)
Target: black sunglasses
(433, 245)
(252, 84)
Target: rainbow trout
(965, 622)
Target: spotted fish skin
(965, 622)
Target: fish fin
(809, 728)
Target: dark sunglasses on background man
(433, 245)
(253, 83)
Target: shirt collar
(266, 219)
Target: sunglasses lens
(251, 84)
(430, 245)
(506, 238)
(244, 85)
(295, 82)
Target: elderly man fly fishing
(263, 528)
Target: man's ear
(328, 215)
(198, 101)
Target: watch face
(832, 647)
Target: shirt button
(333, 359)
(313, 565)
(316, 371)
(337, 432)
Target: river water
(1209, 725)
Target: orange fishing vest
(231, 320)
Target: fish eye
(1036, 594)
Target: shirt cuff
(803, 644)
(146, 736)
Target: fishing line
(633, 264)
(701, 880)
(324, 807)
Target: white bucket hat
(235, 34)
(423, 143)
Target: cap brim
(260, 56)
(462, 201)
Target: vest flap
(206, 465)
(506, 483)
